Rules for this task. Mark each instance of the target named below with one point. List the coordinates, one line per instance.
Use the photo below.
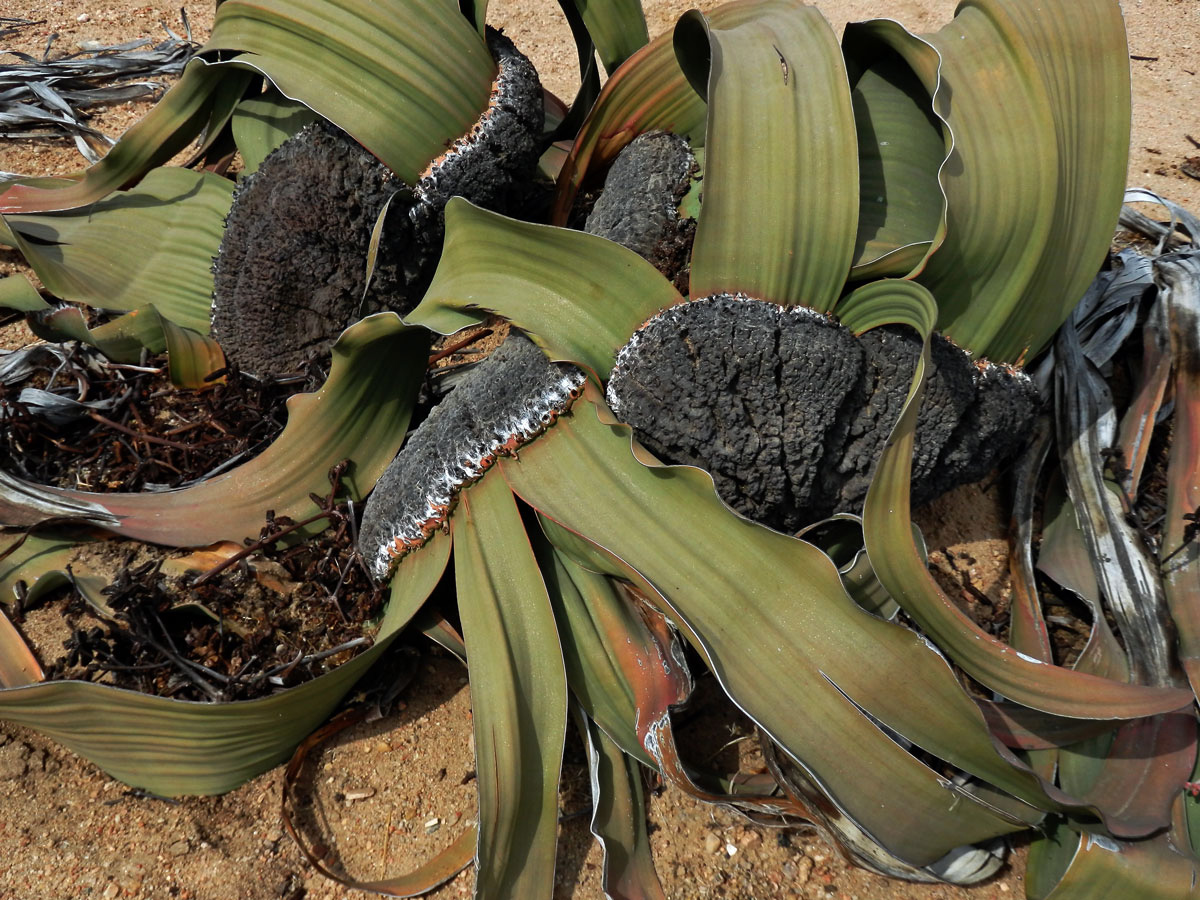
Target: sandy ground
(67, 831)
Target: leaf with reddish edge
(778, 226)
(997, 665)
(619, 820)
(1064, 865)
(24, 505)
(518, 692)
(18, 665)
(577, 296)
(176, 747)
(1137, 771)
(203, 100)
(581, 474)
(616, 669)
(1023, 728)
(361, 413)
(1179, 275)
(649, 92)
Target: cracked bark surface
(789, 411)
(291, 270)
(786, 409)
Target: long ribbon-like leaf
(578, 296)
(617, 28)
(900, 152)
(730, 584)
(153, 244)
(173, 747)
(1046, 83)
(608, 650)
(261, 124)
(203, 100)
(1001, 668)
(361, 414)
(619, 820)
(404, 77)
(518, 692)
(780, 206)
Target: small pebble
(803, 872)
(432, 825)
(711, 843)
(179, 848)
(83, 17)
(351, 796)
(730, 849)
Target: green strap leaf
(518, 692)
(361, 413)
(201, 101)
(153, 244)
(900, 568)
(122, 339)
(404, 77)
(261, 124)
(900, 150)
(578, 296)
(617, 28)
(619, 820)
(17, 292)
(175, 747)
(781, 172)
(192, 357)
(793, 641)
(1046, 83)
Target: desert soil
(393, 791)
